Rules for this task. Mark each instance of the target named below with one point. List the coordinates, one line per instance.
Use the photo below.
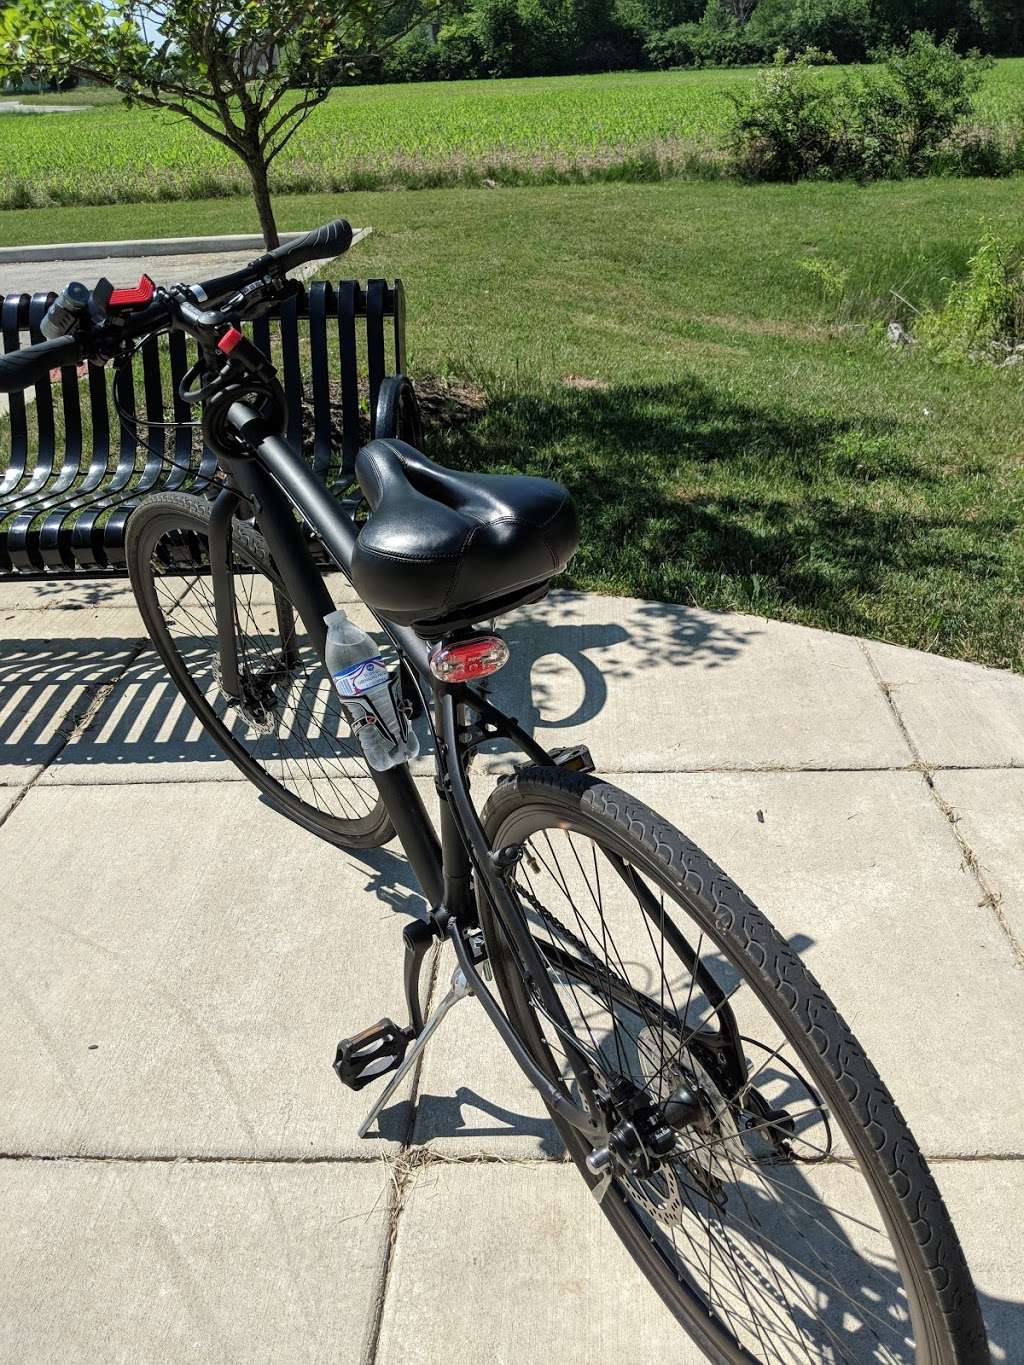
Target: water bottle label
(361, 677)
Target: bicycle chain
(552, 919)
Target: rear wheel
(756, 1167)
(287, 732)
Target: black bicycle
(729, 1124)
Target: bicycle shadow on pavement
(441, 1116)
(565, 662)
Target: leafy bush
(1000, 24)
(503, 37)
(983, 315)
(459, 53)
(789, 124)
(717, 40)
(649, 18)
(901, 116)
(413, 58)
(904, 119)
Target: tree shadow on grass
(686, 495)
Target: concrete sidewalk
(180, 1177)
(165, 266)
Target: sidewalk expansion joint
(193, 1159)
(403, 1166)
(427, 776)
(991, 896)
(400, 1169)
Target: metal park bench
(79, 451)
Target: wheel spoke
(639, 981)
(302, 740)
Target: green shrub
(845, 28)
(650, 18)
(788, 125)
(902, 115)
(459, 53)
(907, 118)
(503, 37)
(1000, 25)
(718, 39)
(413, 58)
(983, 315)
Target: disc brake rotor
(705, 1151)
(260, 703)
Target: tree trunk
(257, 168)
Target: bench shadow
(135, 716)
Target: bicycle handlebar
(21, 369)
(333, 239)
(31, 365)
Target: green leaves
(894, 120)
(170, 51)
(246, 72)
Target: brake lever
(254, 300)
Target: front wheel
(755, 1165)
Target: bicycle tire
(155, 528)
(945, 1313)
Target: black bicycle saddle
(442, 549)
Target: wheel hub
(259, 704)
(687, 1144)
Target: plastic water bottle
(367, 692)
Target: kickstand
(460, 988)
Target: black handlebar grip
(21, 369)
(333, 239)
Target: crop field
(634, 125)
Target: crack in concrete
(991, 896)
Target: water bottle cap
(335, 618)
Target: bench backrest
(71, 467)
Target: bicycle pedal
(370, 1054)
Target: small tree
(246, 72)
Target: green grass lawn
(83, 94)
(416, 134)
(734, 441)
(661, 350)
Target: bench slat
(320, 378)
(376, 292)
(74, 469)
(348, 301)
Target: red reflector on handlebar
(127, 298)
(229, 340)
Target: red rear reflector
(466, 660)
(229, 340)
(127, 298)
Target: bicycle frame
(274, 480)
